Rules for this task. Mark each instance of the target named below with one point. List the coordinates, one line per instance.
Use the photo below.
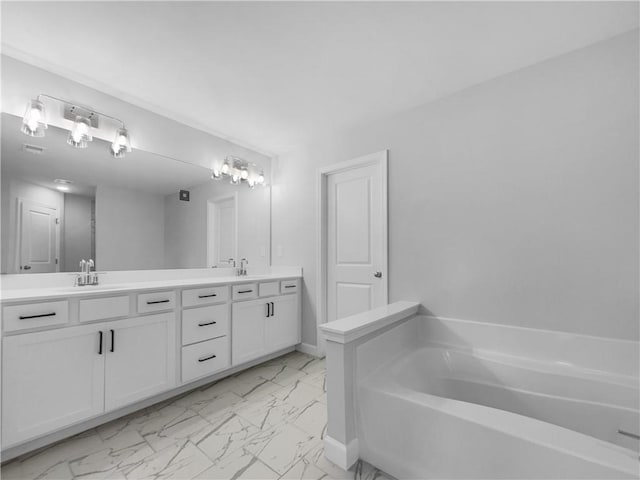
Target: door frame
(381, 160)
(211, 208)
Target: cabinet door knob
(378, 274)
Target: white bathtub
(432, 404)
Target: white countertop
(53, 293)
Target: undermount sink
(92, 288)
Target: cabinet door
(50, 380)
(282, 328)
(247, 330)
(140, 358)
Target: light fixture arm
(84, 107)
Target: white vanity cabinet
(50, 380)
(55, 378)
(260, 327)
(69, 360)
(140, 358)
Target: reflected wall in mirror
(124, 213)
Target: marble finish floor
(264, 423)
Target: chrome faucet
(85, 277)
(242, 271)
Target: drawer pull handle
(273, 309)
(100, 343)
(113, 341)
(245, 291)
(158, 301)
(206, 358)
(26, 317)
(289, 286)
(207, 296)
(207, 323)
(268, 309)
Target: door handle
(113, 341)
(273, 309)
(100, 343)
(27, 267)
(378, 274)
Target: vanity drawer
(33, 315)
(245, 291)
(156, 301)
(289, 286)
(268, 289)
(203, 323)
(204, 358)
(103, 308)
(204, 296)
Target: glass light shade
(235, 179)
(215, 174)
(34, 122)
(80, 133)
(225, 167)
(121, 144)
(260, 179)
(244, 173)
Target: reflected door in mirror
(221, 231)
(38, 237)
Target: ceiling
(86, 168)
(275, 75)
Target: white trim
(309, 349)
(381, 159)
(210, 210)
(348, 329)
(344, 456)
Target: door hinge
(56, 261)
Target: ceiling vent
(35, 149)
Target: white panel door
(38, 237)
(356, 227)
(247, 330)
(140, 358)
(282, 326)
(50, 380)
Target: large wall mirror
(61, 204)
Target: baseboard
(344, 456)
(309, 349)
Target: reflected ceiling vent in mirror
(34, 149)
(238, 171)
(84, 119)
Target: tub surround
(135, 339)
(494, 390)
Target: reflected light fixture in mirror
(84, 120)
(238, 171)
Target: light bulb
(80, 133)
(225, 167)
(244, 173)
(34, 122)
(260, 179)
(215, 174)
(121, 144)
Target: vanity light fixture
(239, 171)
(84, 120)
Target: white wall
(129, 229)
(12, 190)
(515, 201)
(76, 234)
